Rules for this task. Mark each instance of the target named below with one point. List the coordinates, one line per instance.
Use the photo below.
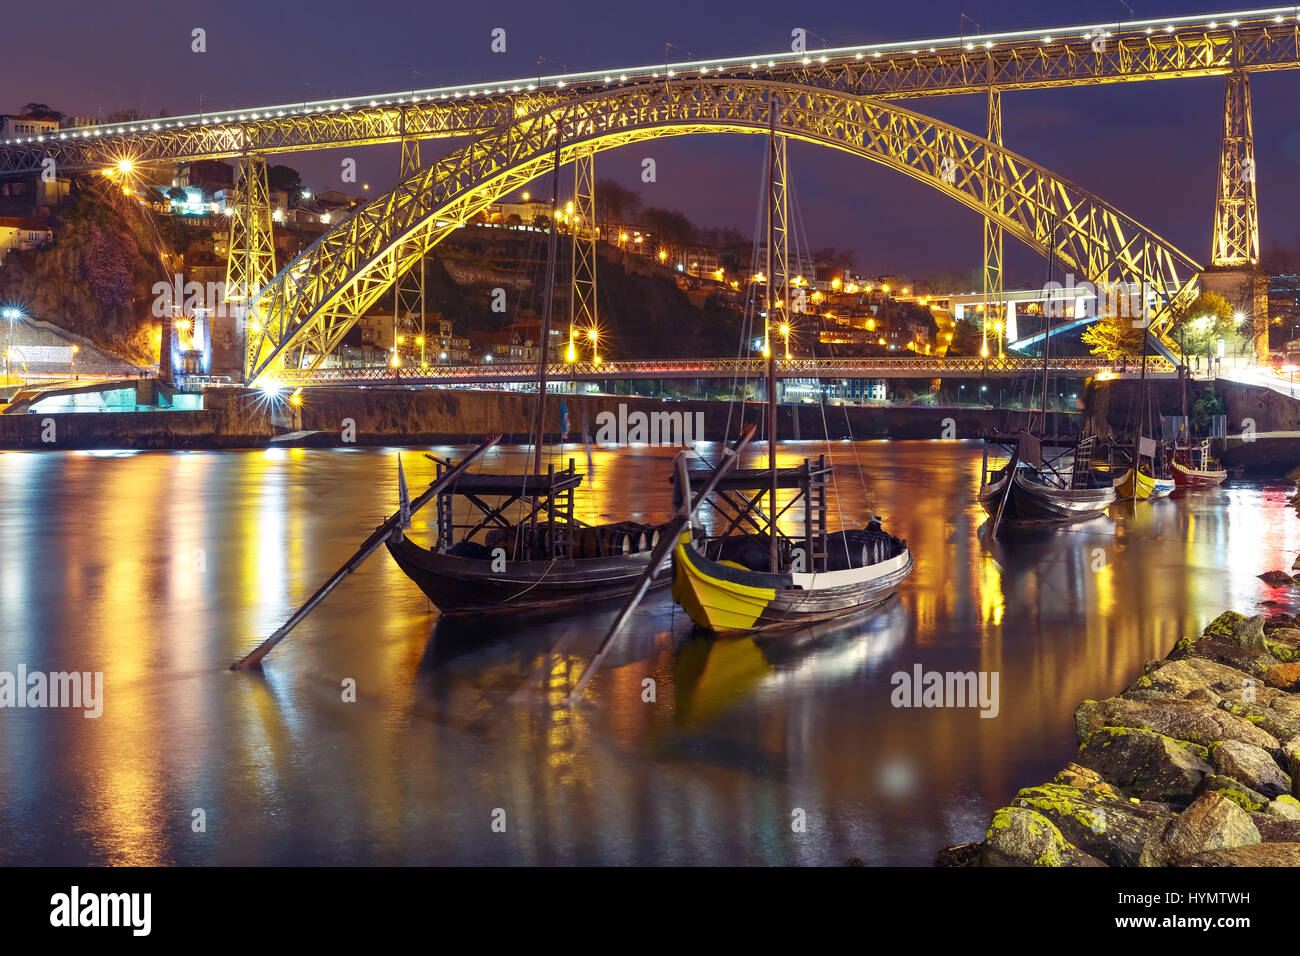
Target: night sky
(1149, 148)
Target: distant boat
(1196, 478)
(1033, 498)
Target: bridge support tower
(584, 325)
(250, 261)
(408, 290)
(1234, 271)
(993, 297)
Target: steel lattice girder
(311, 304)
(965, 366)
(1028, 63)
(1236, 214)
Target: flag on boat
(1146, 447)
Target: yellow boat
(726, 597)
(1124, 485)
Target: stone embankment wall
(374, 416)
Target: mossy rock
(1145, 764)
(1101, 823)
(1021, 837)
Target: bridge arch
(302, 314)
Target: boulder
(1272, 722)
(1210, 822)
(1075, 775)
(1275, 578)
(1285, 807)
(1250, 765)
(1257, 854)
(1187, 720)
(1283, 676)
(1020, 837)
(1178, 678)
(1100, 823)
(1145, 764)
(1291, 755)
(1283, 643)
(1234, 790)
(1275, 829)
(1254, 661)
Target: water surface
(159, 569)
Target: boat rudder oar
(667, 541)
(395, 522)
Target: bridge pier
(994, 192)
(408, 290)
(250, 254)
(1234, 262)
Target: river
(158, 569)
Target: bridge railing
(715, 368)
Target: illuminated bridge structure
(844, 98)
(752, 370)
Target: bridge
(738, 370)
(845, 98)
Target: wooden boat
(784, 580)
(1032, 489)
(1194, 468)
(1032, 498)
(725, 597)
(1135, 484)
(736, 590)
(545, 559)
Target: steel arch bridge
(301, 316)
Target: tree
(615, 203)
(671, 228)
(176, 194)
(1198, 325)
(41, 111)
(286, 179)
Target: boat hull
(458, 585)
(1186, 477)
(727, 599)
(1163, 488)
(1135, 485)
(1033, 501)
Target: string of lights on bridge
(784, 60)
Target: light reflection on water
(159, 569)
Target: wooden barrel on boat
(615, 540)
(587, 543)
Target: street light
(13, 315)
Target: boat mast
(539, 415)
(769, 340)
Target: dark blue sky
(1149, 148)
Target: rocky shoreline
(1196, 763)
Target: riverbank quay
(1195, 764)
(239, 418)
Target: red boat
(1194, 468)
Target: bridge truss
(300, 317)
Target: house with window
(23, 234)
